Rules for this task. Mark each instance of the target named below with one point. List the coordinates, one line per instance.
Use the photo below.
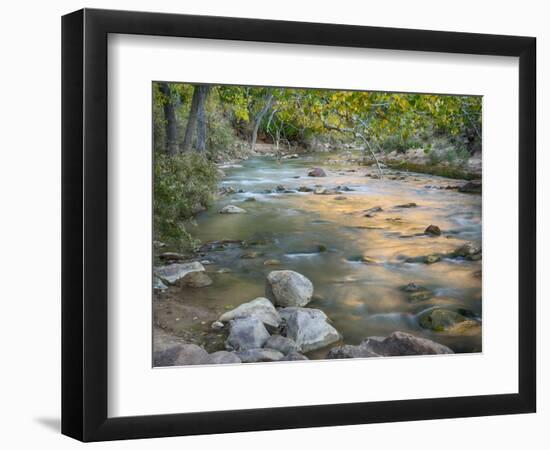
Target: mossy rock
(420, 295)
(446, 320)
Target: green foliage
(183, 185)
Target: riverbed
(358, 261)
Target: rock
(371, 211)
(471, 187)
(217, 325)
(246, 333)
(232, 209)
(166, 356)
(272, 262)
(431, 259)
(220, 173)
(420, 295)
(396, 344)
(282, 344)
(223, 357)
(221, 245)
(412, 287)
(259, 355)
(250, 199)
(340, 197)
(305, 189)
(260, 307)
(295, 357)
(320, 191)
(196, 280)
(288, 288)
(469, 250)
(316, 172)
(290, 156)
(184, 274)
(432, 230)
(407, 205)
(280, 188)
(191, 355)
(440, 319)
(309, 329)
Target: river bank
(361, 239)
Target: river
(324, 236)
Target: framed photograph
(273, 224)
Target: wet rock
(471, 187)
(407, 205)
(371, 211)
(321, 191)
(309, 328)
(316, 172)
(272, 262)
(184, 274)
(290, 156)
(396, 344)
(431, 259)
(288, 288)
(305, 189)
(232, 209)
(282, 344)
(412, 287)
(295, 357)
(432, 230)
(469, 250)
(440, 319)
(190, 355)
(250, 199)
(420, 296)
(259, 355)
(223, 357)
(280, 188)
(246, 333)
(364, 259)
(340, 197)
(260, 307)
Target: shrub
(183, 185)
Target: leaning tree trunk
(259, 118)
(170, 119)
(198, 101)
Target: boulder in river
(232, 209)
(282, 344)
(471, 187)
(260, 307)
(396, 344)
(316, 172)
(259, 355)
(468, 250)
(246, 333)
(309, 328)
(407, 205)
(432, 230)
(420, 295)
(184, 274)
(288, 288)
(158, 284)
(272, 262)
(305, 189)
(440, 319)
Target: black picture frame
(84, 224)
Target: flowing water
(323, 237)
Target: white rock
(260, 307)
(288, 288)
(232, 209)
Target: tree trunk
(201, 119)
(198, 101)
(170, 119)
(259, 118)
